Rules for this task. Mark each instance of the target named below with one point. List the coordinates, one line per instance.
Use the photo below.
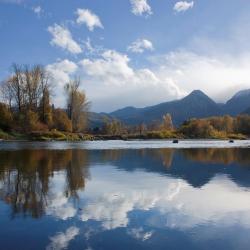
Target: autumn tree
(113, 127)
(77, 105)
(61, 121)
(167, 123)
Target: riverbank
(55, 135)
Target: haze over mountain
(195, 105)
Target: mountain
(238, 103)
(196, 105)
(247, 111)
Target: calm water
(111, 195)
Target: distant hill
(196, 105)
(238, 103)
(247, 111)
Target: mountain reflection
(27, 176)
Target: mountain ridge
(195, 105)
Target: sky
(131, 52)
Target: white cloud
(60, 207)
(218, 76)
(88, 18)
(140, 45)
(140, 234)
(183, 6)
(37, 10)
(61, 72)
(110, 66)
(61, 240)
(111, 76)
(63, 38)
(140, 7)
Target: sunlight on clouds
(61, 71)
(109, 67)
(219, 77)
(111, 75)
(140, 7)
(140, 45)
(62, 37)
(88, 18)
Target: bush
(61, 121)
(197, 129)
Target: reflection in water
(222, 155)
(25, 177)
(148, 198)
(61, 240)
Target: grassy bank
(55, 135)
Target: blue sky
(131, 52)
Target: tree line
(220, 127)
(27, 103)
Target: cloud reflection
(61, 240)
(176, 204)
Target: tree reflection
(25, 177)
(218, 155)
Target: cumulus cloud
(140, 7)
(61, 73)
(62, 37)
(111, 76)
(62, 70)
(183, 6)
(88, 18)
(140, 45)
(61, 240)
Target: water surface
(124, 196)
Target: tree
(45, 108)
(46, 90)
(167, 122)
(113, 127)
(6, 93)
(5, 117)
(77, 105)
(61, 121)
(197, 128)
(17, 86)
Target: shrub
(61, 121)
